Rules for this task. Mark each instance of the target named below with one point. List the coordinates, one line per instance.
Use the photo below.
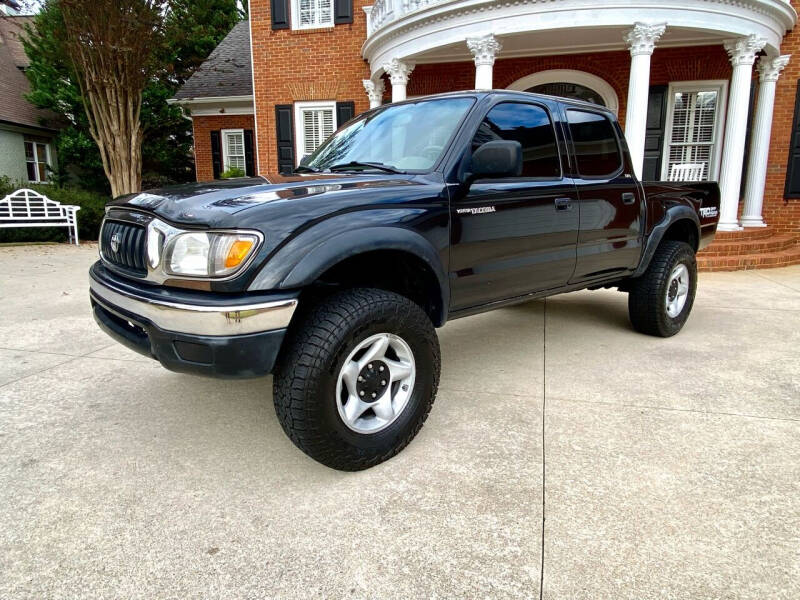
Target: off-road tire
(646, 298)
(306, 375)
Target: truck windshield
(399, 137)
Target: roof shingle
(13, 83)
(226, 72)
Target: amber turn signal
(238, 252)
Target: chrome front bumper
(235, 319)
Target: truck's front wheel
(660, 301)
(358, 378)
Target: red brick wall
(296, 65)
(779, 212)
(202, 128)
(326, 64)
(668, 64)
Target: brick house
(704, 87)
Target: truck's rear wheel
(358, 378)
(660, 301)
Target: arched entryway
(570, 84)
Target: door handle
(563, 203)
(628, 198)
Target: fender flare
(672, 216)
(342, 246)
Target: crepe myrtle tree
(112, 46)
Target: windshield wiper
(357, 164)
(305, 169)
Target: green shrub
(232, 172)
(89, 216)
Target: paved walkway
(669, 469)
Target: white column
(399, 73)
(769, 70)
(484, 49)
(374, 91)
(743, 54)
(642, 41)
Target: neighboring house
(704, 88)
(27, 152)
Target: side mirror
(498, 158)
(304, 160)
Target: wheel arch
(390, 258)
(680, 223)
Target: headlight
(200, 254)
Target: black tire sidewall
(682, 254)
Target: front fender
(301, 261)
(673, 214)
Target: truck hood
(254, 202)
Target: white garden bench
(26, 208)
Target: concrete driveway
(637, 467)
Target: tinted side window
(596, 146)
(530, 126)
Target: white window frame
(299, 129)
(224, 142)
(721, 86)
(296, 17)
(36, 161)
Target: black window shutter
(344, 112)
(654, 134)
(793, 169)
(284, 128)
(249, 153)
(343, 11)
(280, 14)
(216, 153)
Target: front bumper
(221, 335)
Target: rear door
(515, 235)
(611, 202)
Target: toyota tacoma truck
(334, 276)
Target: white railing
(383, 12)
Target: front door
(514, 236)
(611, 201)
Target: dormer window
(312, 14)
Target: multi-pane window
(529, 125)
(315, 122)
(233, 149)
(313, 13)
(37, 158)
(692, 134)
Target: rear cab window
(594, 139)
(532, 127)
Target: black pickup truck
(335, 276)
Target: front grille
(131, 245)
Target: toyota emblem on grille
(115, 240)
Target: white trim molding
(598, 84)
(219, 105)
(410, 29)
